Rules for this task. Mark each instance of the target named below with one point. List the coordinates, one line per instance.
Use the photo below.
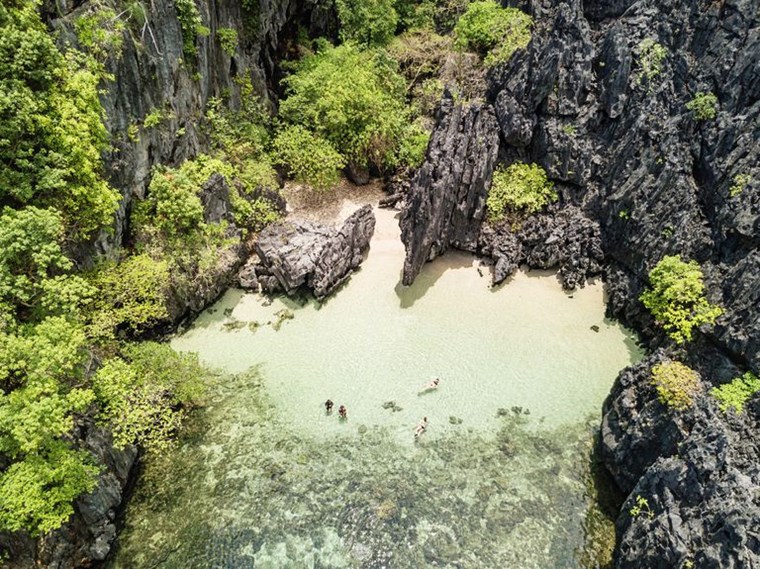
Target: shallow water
(500, 479)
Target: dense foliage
(145, 395)
(352, 99)
(367, 22)
(494, 32)
(51, 134)
(519, 189)
(651, 56)
(737, 392)
(676, 384)
(307, 158)
(676, 298)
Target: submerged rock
(291, 255)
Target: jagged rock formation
(622, 147)
(290, 255)
(697, 470)
(447, 200)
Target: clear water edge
(265, 478)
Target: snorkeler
(328, 406)
(431, 385)
(421, 427)
(342, 413)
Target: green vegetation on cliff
(676, 298)
(519, 189)
(676, 384)
(494, 32)
(737, 392)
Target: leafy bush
(735, 394)
(133, 295)
(413, 146)
(651, 56)
(307, 157)
(740, 182)
(676, 298)
(144, 396)
(519, 188)
(100, 31)
(494, 32)
(420, 53)
(228, 39)
(36, 493)
(51, 125)
(191, 24)
(367, 22)
(676, 384)
(704, 106)
(353, 99)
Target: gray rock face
(447, 200)
(697, 470)
(290, 255)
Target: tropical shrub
(704, 106)
(353, 99)
(676, 298)
(228, 40)
(735, 394)
(307, 158)
(651, 56)
(145, 395)
(367, 22)
(494, 32)
(676, 384)
(520, 188)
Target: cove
(502, 477)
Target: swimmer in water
(342, 413)
(431, 385)
(328, 406)
(421, 427)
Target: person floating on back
(421, 427)
(342, 413)
(328, 406)
(431, 385)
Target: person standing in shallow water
(328, 406)
(342, 413)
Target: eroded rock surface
(294, 254)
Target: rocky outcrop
(87, 537)
(295, 254)
(649, 179)
(566, 239)
(447, 199)
(697, 470)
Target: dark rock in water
(595, 328)
(291, 255)
(447, 199)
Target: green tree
(676, 384)
(31, 265)
(494, 32)
(144, 396)
(676, 298)
(307, 158)
(51, 129)
(353, 99)
(36, 493)
(521, 189)
(367, 22)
